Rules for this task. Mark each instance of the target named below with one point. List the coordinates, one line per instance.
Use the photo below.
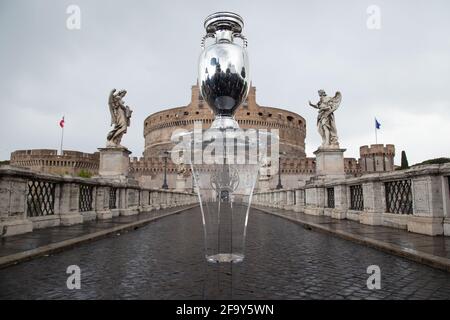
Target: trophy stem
(222, 122)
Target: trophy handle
(206, 36)
(241, 36)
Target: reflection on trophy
(224, 78)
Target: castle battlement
(48, 160)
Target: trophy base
(225, 257)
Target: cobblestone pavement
(164, 260)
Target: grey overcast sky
(399, 73)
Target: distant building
(45, 160)
(377, 158)
(295, 166)
(158, 128)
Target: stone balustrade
(417, 199)
(30, 200)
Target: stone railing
(416, 199)
(30, 200)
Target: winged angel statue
(325, 119)
(120, 118)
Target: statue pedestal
(263, 184)
(114, 163)
(330, 163)
(180, 184)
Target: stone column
(69, 204)
(299, 197)
(131, 202)
(340, 202)
(13, 206)
(446, 201)
(102, 203)
(428, 207)
(156, 200)
(283, 199)
(315, 201)
(373, 195)
(289, 201)
(145, 201)
(163, 199)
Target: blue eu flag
(377, 124)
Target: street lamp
(193, 183)
(279, 185)
(165, 156)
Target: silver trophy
(223, 74)
(225, 162)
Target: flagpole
(376, 133)
(62, 139)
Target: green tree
(84, 174)
(435, 161)
(404, 165)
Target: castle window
(186, 113)
(196, 112)
(248, 113)
(260, 114)
(270, 115)
(289, 118)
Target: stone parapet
(417, 199)
(30, 200)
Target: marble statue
(120, 118)
(265, 169)
(182, 170)
(325, 119)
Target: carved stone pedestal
(263, 183)
(180, 183)
(114, 163)
(330, 163)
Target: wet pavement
(164, 260)
(423, 247)
(41, 241)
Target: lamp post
(279, 185)
(165, 156)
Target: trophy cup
(223, 76)
(225, 161)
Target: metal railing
(112, 198)
(399, 197)
(85, 198)
(356, 198)
(330, 198)
(40, 198)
